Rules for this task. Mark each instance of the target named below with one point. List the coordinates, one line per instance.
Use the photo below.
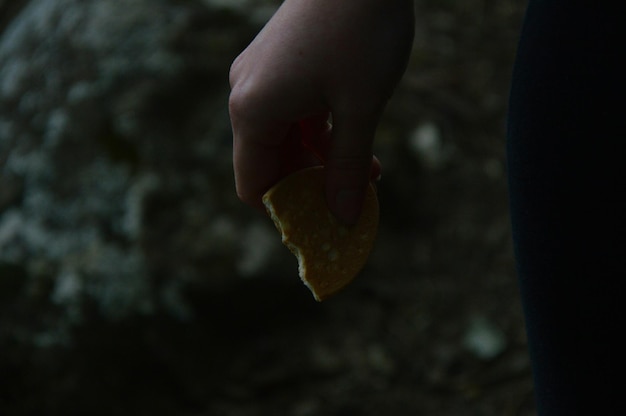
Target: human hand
(315, 59)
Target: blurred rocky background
(133, 282)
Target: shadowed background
(132, 281)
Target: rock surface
(115, 144)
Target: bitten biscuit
(330, 254)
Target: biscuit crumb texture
(330, 254)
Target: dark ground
(396, 341)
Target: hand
(315, 59)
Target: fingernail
(349, 203)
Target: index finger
(256, 162)
(263, 158)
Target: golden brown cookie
(330, 254)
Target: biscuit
(330, 254)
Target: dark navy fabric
(566, 153)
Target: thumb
(349, 165)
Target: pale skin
(316, 58)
